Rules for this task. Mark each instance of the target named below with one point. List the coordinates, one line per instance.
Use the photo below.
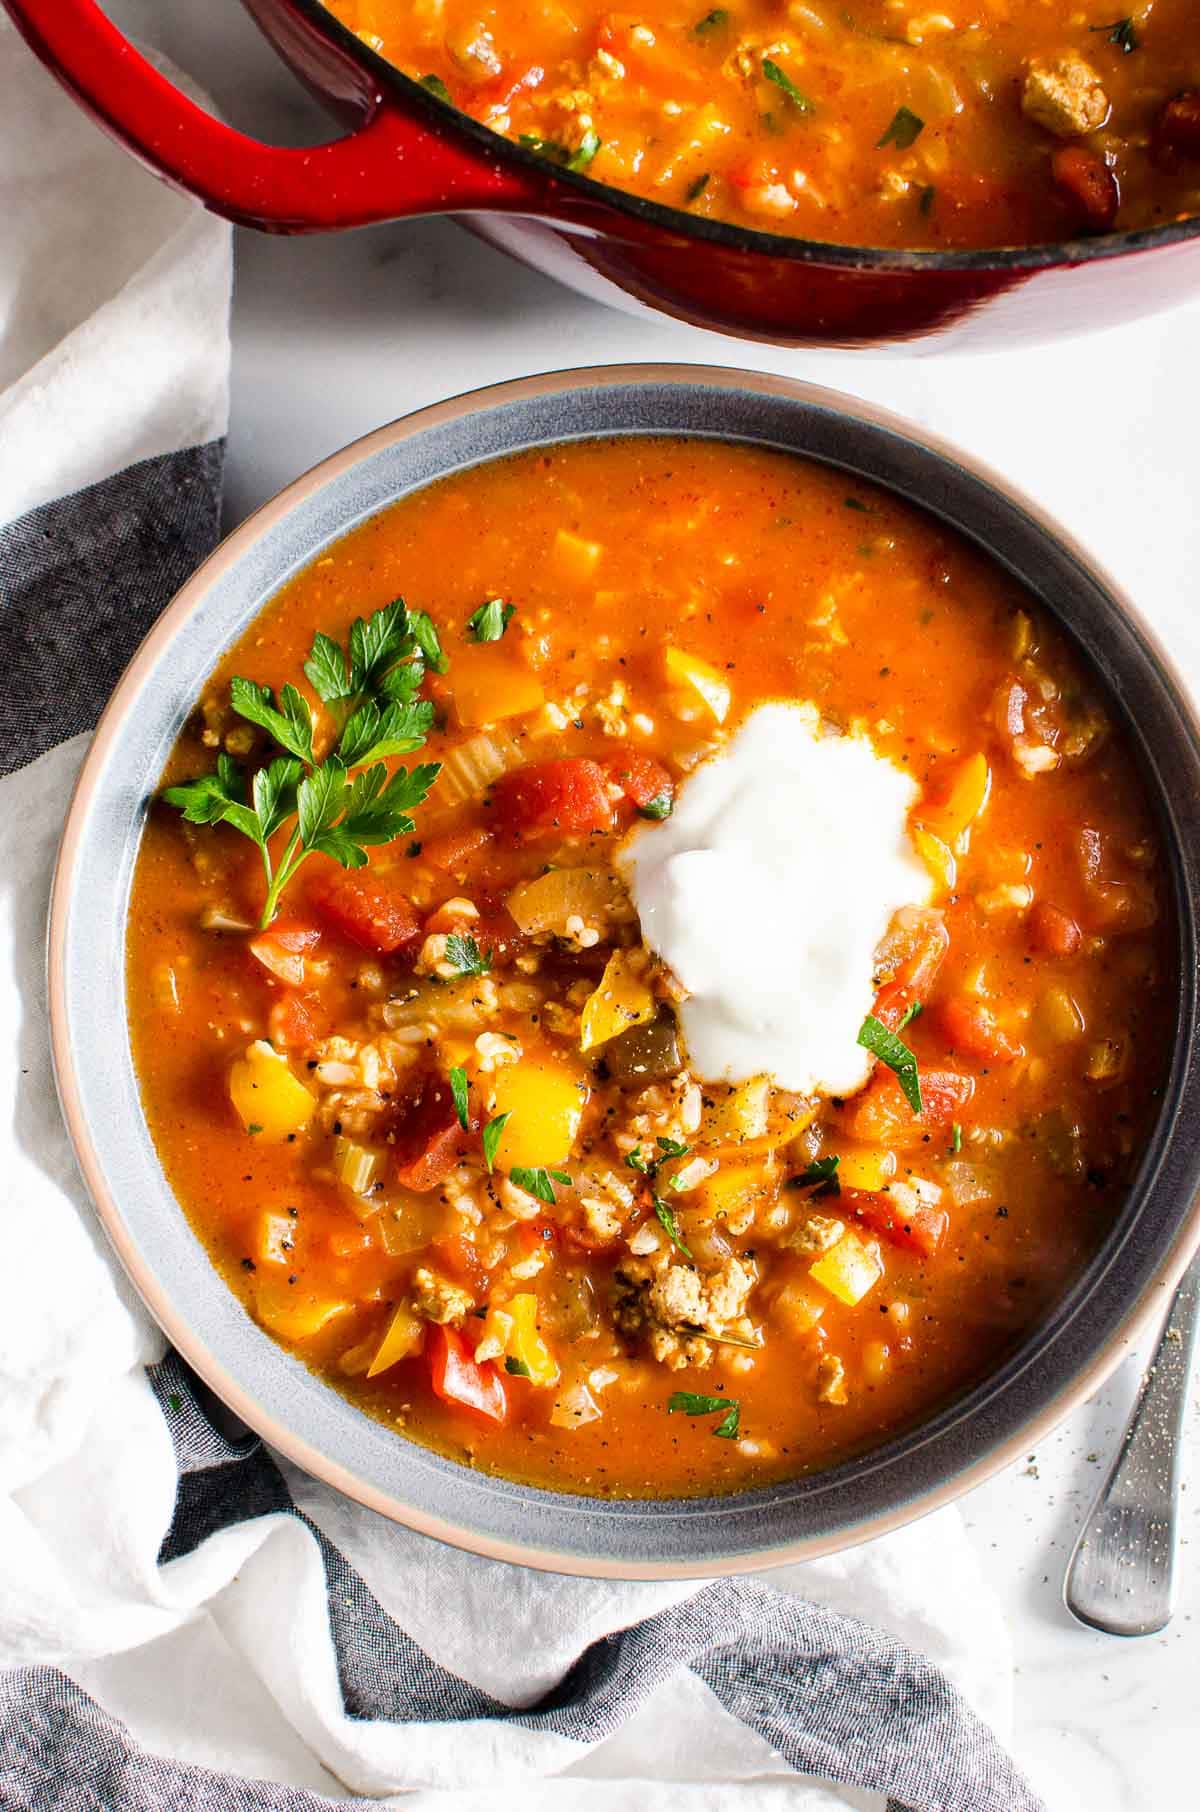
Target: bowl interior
(272, 1390)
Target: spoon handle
(1121, 1574)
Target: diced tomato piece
(282, 948)
(643, 780)
(913, 952)
(461, 1258)
(453, 848)
(972, 1031)
(456, 1378)
(294, 1023)
(429, 1140)
(1053, 932)
(881, 1115)
(920, 1229)
(551, 798)
(1177, 129)
(1088, 183)
(368, 911)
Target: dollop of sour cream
(767, 892)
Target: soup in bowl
(653, 974)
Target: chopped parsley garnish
(435, 85)
(773, 73)
(369, 689)
(489, 622)
(491, 1136)
(824, 1173)
(926, 199)
(671, 1148)
(666, 1219)
(856, 503)
(458, 1088)
(697, 188)
(466, 956)
(555, 153)
(649, 1168)
(712, 21)
(517, 1367)
(690, 1403)
(253, 1128)
(876, 1038)
(657, 808)
(538, 1181)
(1122, 33)
(956, 1136)
(637, 1162)
(905, 129)
(912, 1011)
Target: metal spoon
(1121, 1575)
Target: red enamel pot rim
(414, 154)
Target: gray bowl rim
(918, 1469)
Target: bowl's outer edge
(1086, 1335)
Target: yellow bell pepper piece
(546, 1099)
(267, 1096)
(937, 857)
(405, 1332)
(291, 1311)
(529, 1352)
(849, 1269)
(866, 1167)
(489, 684)
(734, 1187)
(688, 673)
(621, 1000)
(968, 795)
(576, 558)
(740, 1117)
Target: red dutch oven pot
(408, 153)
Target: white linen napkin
(181, 1619)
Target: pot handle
(390, 167)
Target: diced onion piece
(457, 1006)
(545, 1100)
(471, 768)
(574, 1406)
(849, 1269)
(621, 1000)
(487, 684)
(267, 1096)
(1058, 1016)
(937, 857)
(407, 1223)
(800, 1306)
(866, 1167)
(963, 801)
(687, 673)
(547, 902)
(276, 1235)
(357, 1166)
(405, 1332)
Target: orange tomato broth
(789, 580)
(892, 125)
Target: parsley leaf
(217, 799)
(435, 85)
(291, 727)
(458, 1088)
(489, 622)
(773, 73)
(657, 808)
(538, 1181)
(956, 1137)
(637, 1162)
(697, 188)
(822, 1172)
(712, 21)
(905, 129)
(691, 1403)
(893, 1051)
(666, 1217)
(491, 1137)
(466, 955)
(671, 1148)
(371, 734)
(589, 144)
(1122, 33)
(274, 791)
(912, 1011)
(517, 1367)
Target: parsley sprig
(648, 1168)
(884, 1044)
(539, 1181)
(345, 803)
(691, 1403)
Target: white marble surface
(334, 336)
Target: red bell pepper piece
(920, 1229)
(456, 1378)
(294, 1022)
(970, 1029)
(553, 798)
(1053, 932)
(429, 1139)
(368, 912)
(881, 1115)
(281, 949)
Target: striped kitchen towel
(185, 1621)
